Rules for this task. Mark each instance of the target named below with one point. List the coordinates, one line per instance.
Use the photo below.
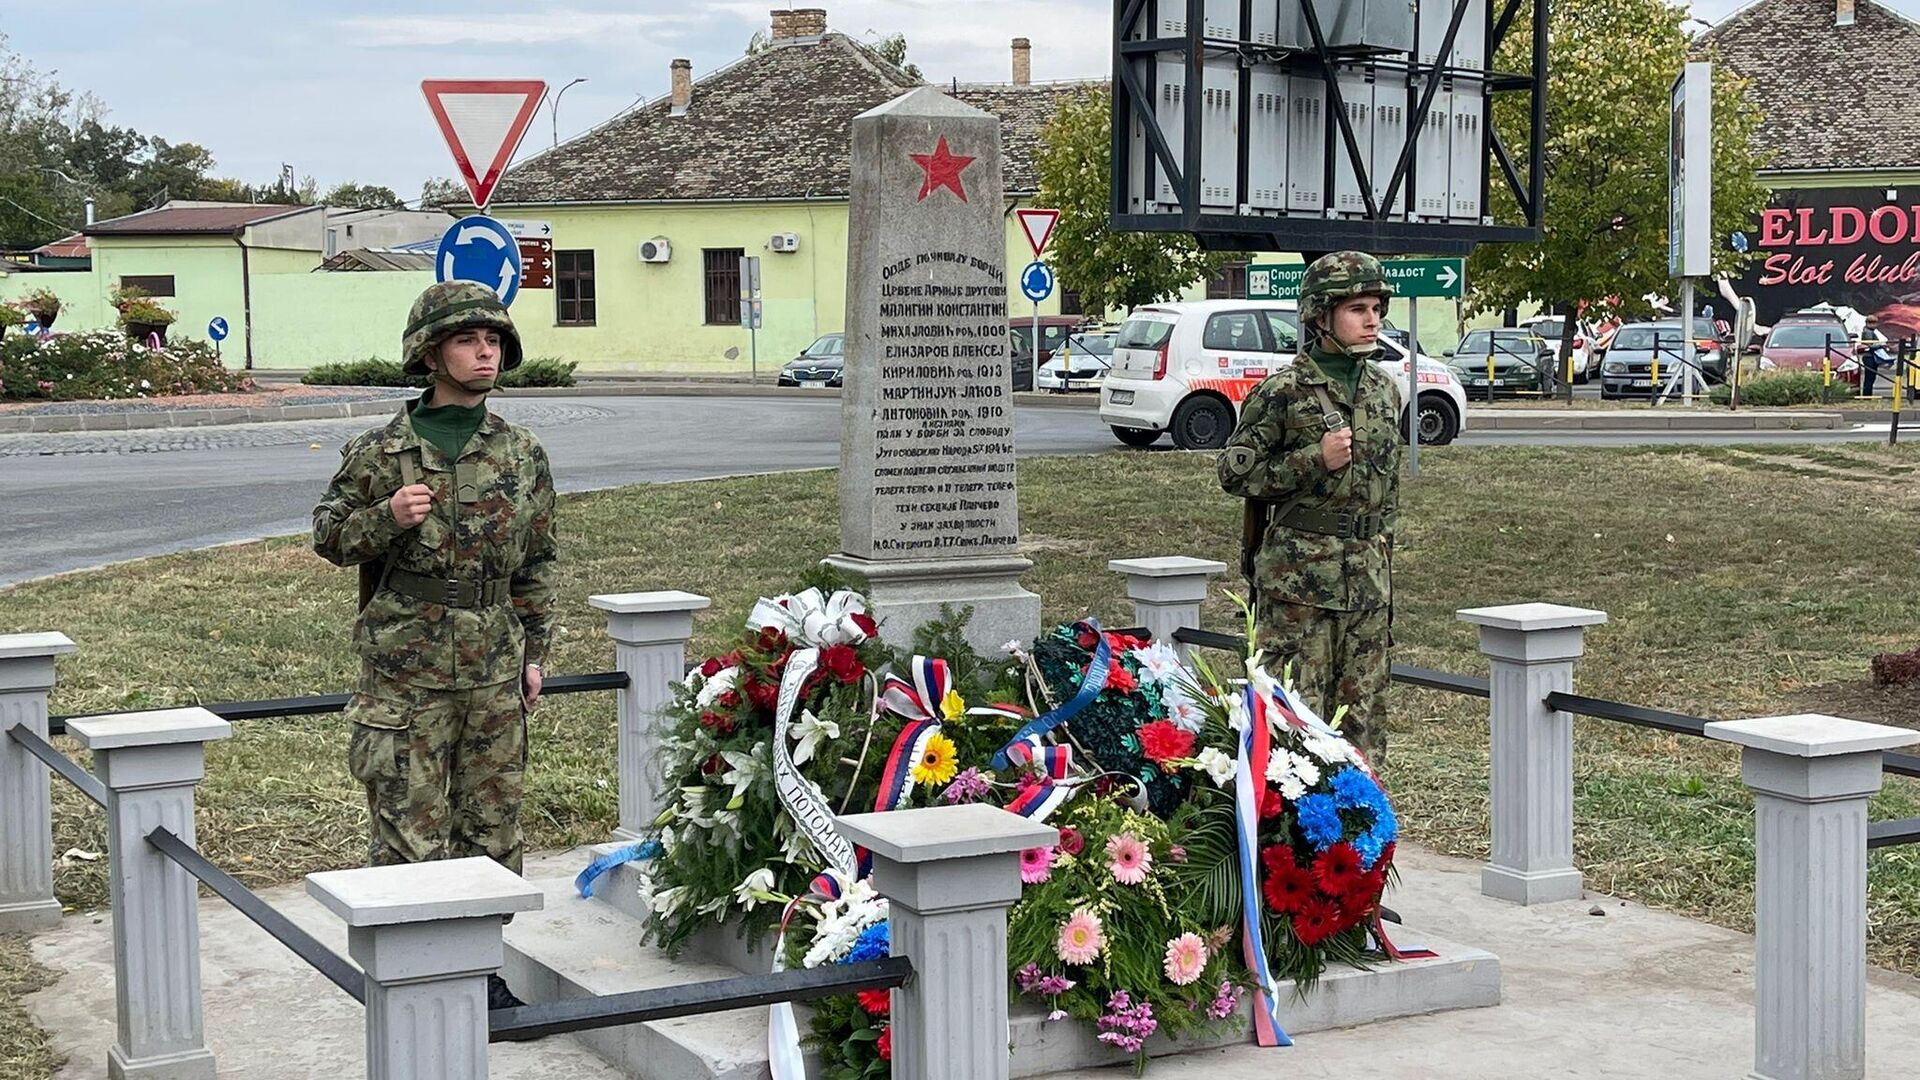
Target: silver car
(1627, 369)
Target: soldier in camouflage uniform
(1317, 451)
(448, 511)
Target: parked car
(1054, 330)
(1801, 342)
(1080, 363)
(1627, 368)
(821, 364)
(1184, 368)
(1518, 358)
(1551, 328)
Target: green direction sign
(1412, 278)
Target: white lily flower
(1186, 715)
(811, 731)
(1158, 662)
(744, 769)
(1237, 714)
(1218, 765)
(756, 885)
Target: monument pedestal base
(906, 594)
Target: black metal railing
(62, 765)
(320, 704)
(1879, 834)
(721, 995)
(322, 959)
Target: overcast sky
(332, 87)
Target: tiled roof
(72, 247)
(1833, 97)
(175, 220)
(776, 124)
(1023, 110)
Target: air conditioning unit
(785, 241)
(657, 250)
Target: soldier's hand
(1336, 449)
(410, 505)
(531, 683)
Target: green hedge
(103, 364)
(373, 371)
(1783, 388)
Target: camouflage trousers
(1339, 658)
(444, 771)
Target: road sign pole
(1036, 346)
(1413, 388)
(1687, 353)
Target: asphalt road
(84, 499)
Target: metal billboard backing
(1368, 104)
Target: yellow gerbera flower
(938, 762)
(953, 706)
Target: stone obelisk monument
(928, 513)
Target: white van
(1185, 368)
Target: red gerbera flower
(876, 1002)
(1337, 870)
(1163, 741)
(885, 1045)
(1287, 888)
(1276, 857)
(1119, 678)
(1317, 920)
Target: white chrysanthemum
(1291, 788)
(720, 682)
(1303, 767)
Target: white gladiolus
(1217, 765)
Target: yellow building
(652, 211)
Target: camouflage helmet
(452, 306)
(1339, 276)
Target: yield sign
(1039, 227)
(483, 121)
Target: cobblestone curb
(187, 418)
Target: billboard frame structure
(1375, 232)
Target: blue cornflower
(873, 944)
(1369, 847)
(1319, 820)
(1386, 825)
(1353, 789)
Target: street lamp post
(555, 110)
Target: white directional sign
(1038, 225)
(530, 230)
(483, 121)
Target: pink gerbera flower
(1186, 958)
(1080, 938)
(1036, 865)
(1128, 859)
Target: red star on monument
(943, 169)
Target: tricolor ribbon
(896, 779)
(1249, 775)
(1054, 764)
(924, 697)
(1091, 684)
(784, 1058)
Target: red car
(1801, 343)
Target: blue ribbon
(645, 849)
(1090, 687)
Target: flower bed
(101, 364)
(1215, 838)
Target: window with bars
(722, 266)
(573, 293)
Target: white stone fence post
(949, 874)
(427, 936)
(27, 902)
(150, 763)
(650, 632)
(1167, 591)
(1811, 778)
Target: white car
(1185, 367)
(1585, 363)
(1080, 363)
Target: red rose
(1317, 920)
(1119, 678)
(711, 667)
(764, 694)
(730, 699)
(1337, 870)
(876, 1002)
(866, 624)
(885, 1045)
(1163, 741)
(1071, 841)
(771, 640)
(842, 663)
(1086, 639)
(717, 723)
(713, 766)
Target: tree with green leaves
(1112, 271)
(439, 192)
(1604, 229)
(354, 196)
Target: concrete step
(581, 948)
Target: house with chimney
(1834, 80)
(652, 210)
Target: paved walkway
(1632, 994)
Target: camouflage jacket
(1274, 455)
(503, 529)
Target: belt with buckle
(451, 592)
(1346, 526)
